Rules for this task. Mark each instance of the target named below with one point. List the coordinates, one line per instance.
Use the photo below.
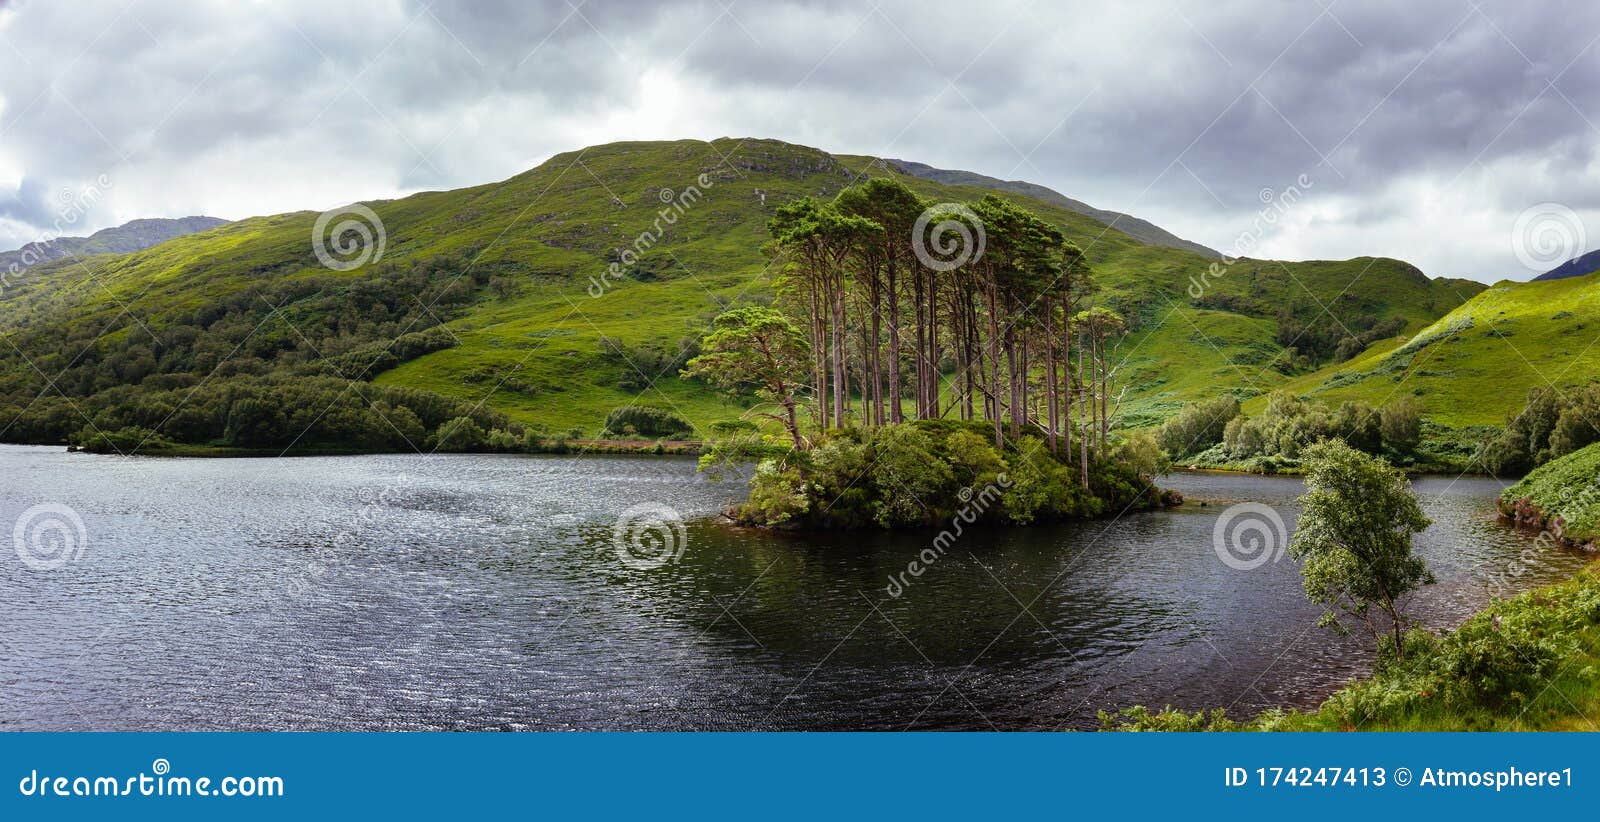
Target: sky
(1459, 136)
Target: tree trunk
(895, 413)
(1066, 366)
(922, 330)
(1050, 408)
(841, 385)
(1083, 432)
(874, 364)
(993, 361)
(1013, 395)
(791, 420)
(1105, 390)
(933, 344)
(819, 351)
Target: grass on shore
(1562, 495)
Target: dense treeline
(1552, 424)
(1216, 433)
(275, 412)
(978, 319)
(280, 365)
(1311, 334)
(1290, 423)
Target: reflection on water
(484, 592)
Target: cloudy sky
(1460, 136)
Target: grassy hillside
(1232, 338)
(516, 273)
(1476, 363)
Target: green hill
(502, 298)
(1475, 364)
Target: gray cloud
(1425, 131)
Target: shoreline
(1544, 612)
(627, 447)
(572, 448)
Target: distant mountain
(127, 238)
(1573, 268)
(1141, 230)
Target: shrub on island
(923, 473)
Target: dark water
(479, 592)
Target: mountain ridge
(1575, 267)
(1135, 227)
(134, 235)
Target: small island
(959, 404)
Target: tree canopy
(1354, 538)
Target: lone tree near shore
(757, 348)
(1354, 538)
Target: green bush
(907, 472)
(502, 440)
(129, 440)
(1140, 718)
(460, 434)
(729, 428)
(777, 495)
(1197, 427)
(1498, 661)
(647, 422)
(925, 473)
(1401, 424)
